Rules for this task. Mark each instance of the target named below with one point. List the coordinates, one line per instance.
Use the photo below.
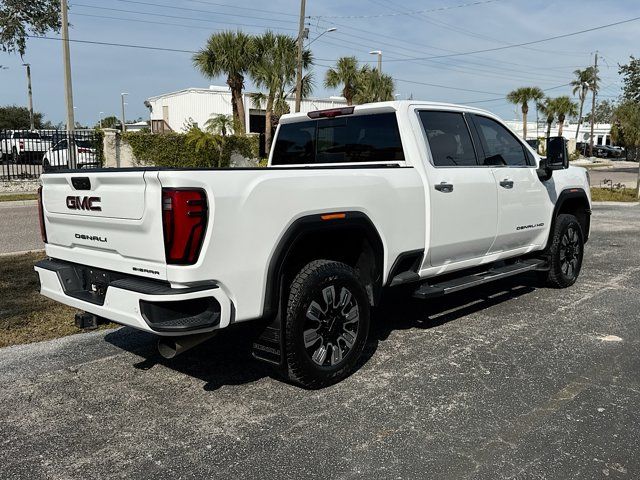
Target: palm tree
(233, 54)
(585, 81)
(373, 86)
(275, 70)
(547, 107)
(345, 73)
(564, 107)
(221, 124)
(522, 96)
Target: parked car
(58, 156)
(435, 198)
(608, 151)
(23, 146)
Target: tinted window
(26, 135)
(360, 138)
(499, 144)
(449, 139)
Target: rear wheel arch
(352, 239)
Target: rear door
(462, 193)
(522, 198)
(111, 220)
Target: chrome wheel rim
(570, 251)
(331, 326)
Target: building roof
(225, 89)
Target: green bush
(195, 149)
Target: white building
(601, 131)
(173, 111)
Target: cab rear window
(356, 139)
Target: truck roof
(396, 105)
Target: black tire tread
(316, 268)
(555, 278)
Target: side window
(499, 144)
(449, 139)
(358, 138)
(295, 143)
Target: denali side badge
(526, 227)
(84, 203)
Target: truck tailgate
(110, 220)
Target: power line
(413, 12)
(226, 5)
(197, 10)
(178, 17)
(136, 20)
(129, 45)
(555, 37)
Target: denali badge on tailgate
(83, 203)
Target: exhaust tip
(167, 348)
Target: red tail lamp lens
(184, 222)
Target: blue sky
(100, 73)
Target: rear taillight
(21, 145)
(184, 222)
(43, 231)
(84, 150)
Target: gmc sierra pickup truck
(355, 200)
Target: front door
(463, 197)
(522, 198)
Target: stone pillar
(111, 148)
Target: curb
(24, 252)
(623, 204)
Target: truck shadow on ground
(225, 359)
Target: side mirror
(557, 154)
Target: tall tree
(345, 74)
(13, 117)
(19, 19)
(586, 80)
(547, 107)
(604, 112)
(564, 107)
(275, 71)
(522, 96)
(232, 54)
(373, 86)
(625, 131)
(631, 74)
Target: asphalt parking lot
(506, 381)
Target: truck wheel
(327, 324)
(565, 252)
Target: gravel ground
(505, 381)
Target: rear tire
(326, 325)
(566, 251)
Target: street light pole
(300, 48)
(30, 96)
(100, 119)
(379, 54)
(122, 95)
(328, 30)
(593, 102)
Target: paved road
(507, 381)
(19, 227)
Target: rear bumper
(129, 300)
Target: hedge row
(179, 150)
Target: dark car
(608, 151)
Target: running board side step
(461, 283)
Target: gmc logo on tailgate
(84, 203)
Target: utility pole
(122, 95)
(594, 86)
(66, 58)
(379, 54)
(30, 95)
(300, 48)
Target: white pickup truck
(438, 197)
(22, 146)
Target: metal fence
(25, 154)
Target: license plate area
(86, 283)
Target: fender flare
(569, 194)
(296, 231)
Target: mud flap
(269, 346)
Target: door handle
(444, 187)
(506, 183)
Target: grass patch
(615, 195)
(25, 315)
(12, 197)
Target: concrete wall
(117, 154)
